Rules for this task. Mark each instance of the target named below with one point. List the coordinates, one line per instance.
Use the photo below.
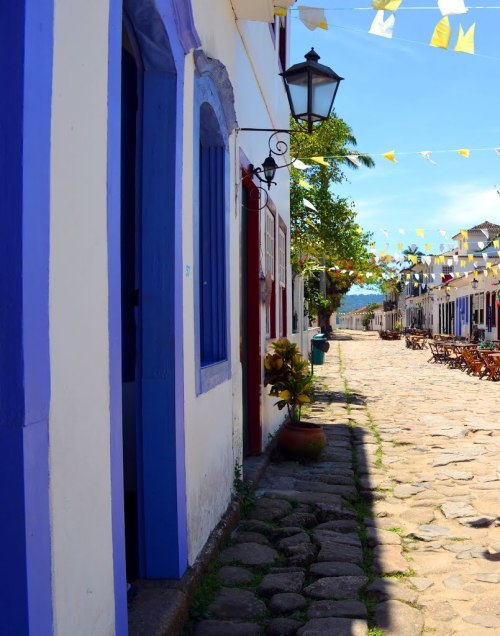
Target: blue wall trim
(164, 528)
(26, 40)
(114, 316)
(213, 89)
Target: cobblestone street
(395, 529)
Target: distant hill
(355, 301)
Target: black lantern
(474, 283)
(311, 89)
(269, 167)
(448, 292)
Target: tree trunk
(324, 316)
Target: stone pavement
(395, 529)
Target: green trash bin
(319, 346)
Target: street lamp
(448, 292)
(474, 283)
(311, 89)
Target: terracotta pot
(305, 441)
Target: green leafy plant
(289, 377)
(243, 490)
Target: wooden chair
(492, 365)
(474, 365)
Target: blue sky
(402, 94)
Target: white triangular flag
(384, 232)
(382, 27)
(486, 233)
(300, 165)
(426, 154)
(480, 244)
(485, 256)
(313, 18)
(497, 150)
(442, 232)
(354, 159)
(308, 204)
(452, 7)
(401, 231)
(433, 276)
(455, 258)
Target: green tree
(328, 246)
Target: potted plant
(290, 380)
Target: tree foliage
(328, 245)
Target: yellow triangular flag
(407, 276)
(390, 156)
(489, 265)
(496, 243)
(464, 233)
(498, 253)
(388, 5)
(412, 258)
(442, 34)
(427, 247)
(462, 263)
(420, 232)
(465, 42)
(309, 222)
(304, 184)
(321, 160)
(400, 246)
(466, 246)
(280, 11)
(465, 152)
(470, 257)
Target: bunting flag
(465, 152)
(480, 244)
(401, 230)
(388, 5)
(321, 160)
(452, 7)
(313, 18)
(420, 232)
(427, 247)
(442, 232)
(426, 154)
(390, 156)
(354, 159)
(466, 246)
(304, 184)
(485, 232)
(465, 41)
(382, 27)
(309, 205)
(465, 233)
(442, 34)
(300, 165)
(400, 246)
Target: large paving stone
(236, 604)
(329, 568)
(339, 525)
(340, 587)
(249, 554)
(378, 536)
(300, 519)
(454, 509)
(404, 491)
(332, 512)
(389, 589)
(334, 551)
(286, 603)
(300, 555)
(272, 509)
(441, 611)
(233, 575)
(294, 539)
(334, 627)
(321, 535)
(339, 609)
(389, 559)
(483, 620)
(247, 536)
(225, 628)
(398, 619)
(286, 582)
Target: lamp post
(474, 283)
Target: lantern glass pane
(323, 89)
(297, 89)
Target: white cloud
(468, 204)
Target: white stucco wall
(80, 491)
(213, 420)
